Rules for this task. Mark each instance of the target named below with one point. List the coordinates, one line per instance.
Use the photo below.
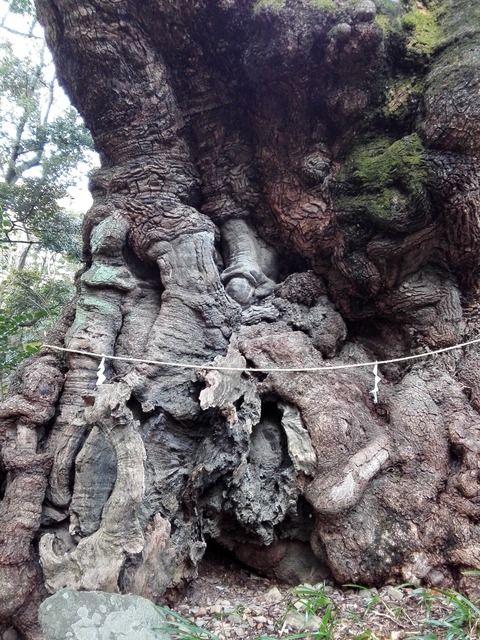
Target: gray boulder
(96, 615)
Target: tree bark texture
(283, 184)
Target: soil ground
(230, 601)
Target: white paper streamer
(100, 372)
(376, 379)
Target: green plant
(13, 348)
(457, 617)
(371, 600)
(310, 599)
(30, 302)
(291, 636)
(312, 603)
(42, 145)
(365, 635)
(462, 622)
(352, 615)
(178, 626)
(424, 597)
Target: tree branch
(20, 33)
(20, 242)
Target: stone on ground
(96, 615)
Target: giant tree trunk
(283, 185)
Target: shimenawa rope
(213, 367)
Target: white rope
(213, 367)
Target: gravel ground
(231, 601)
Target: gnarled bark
(281, 187)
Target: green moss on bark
(277, 5)
(423, 33)
(452, 109)
(384, 181)
(329, 5)
(416, 25)
(402, 98)
(274, 5)
(382, 163)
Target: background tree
(41, 145)
(283, 185)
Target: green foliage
(42, 143)
(30, 301)
(32, 206)
(12, 348)
(36, 289)
(24, 7)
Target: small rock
(259, 619)
(368, 595)
(235, 617)
(273, 595)
(395, 594)
(239, 632)
(298, 622)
